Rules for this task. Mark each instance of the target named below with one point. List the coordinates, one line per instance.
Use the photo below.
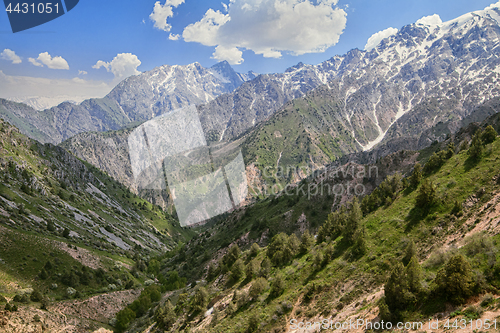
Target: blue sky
(85, 52)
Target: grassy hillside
(67, 230)
(446, 216)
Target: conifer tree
(410, 252)
(353, 222)
(414, 276)
(416, 175)
(475, 151)
(396, 289)
(454, 280)
(306, 241)
(426, 195)
(489, 135)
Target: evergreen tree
(265, 267)
(306, 242)
(200, 299)
(414, 276)
(232, 255)
(426, 195)
(277, 285)
(454, 280)
(282, 248)
(123, 319)
(258, 286)
(450, 151)
(416, 175)
(252, 269)
(237, 270)
(410, 252)
(359, 246)
(353, 222)
(254, 250)
(475, 151)
(396, 289)
(489, 135)
(165, 316)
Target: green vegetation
(358, 248)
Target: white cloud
(430, 20)
(161, 13)
(232, 54)
(82, 72)
(49, 92)
(51, 62)
(34, 62)
(10, 55)
(493, 6)
(174, 36)
(377, 37)
(269, 27)
(122, 66)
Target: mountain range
(417, 86)
(134, 100)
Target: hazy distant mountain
(135, 99)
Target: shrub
(457, 209)
(487, 300)
(416, 175)
(475, 151)
(254, 250)
(265, 267)
(411, 251)
(489, 135)
(231, 256)
(277, 285)
(454, 280)
(306, 241)
(200, 299)
(252, 269)
(258, 286)
(426, 196)
(472, 312)
(123, 319)
(165, 316)
(36, 296)
(253, 322)
(237, 270)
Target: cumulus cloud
(10, 55)
(161, 13)
(269, 27)
(430, 20)
(174, 36)
(51, 62)
(232, 54)
(376, 38)
(493, 6)
(34, 62)
(122, 66)
(82, 72)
